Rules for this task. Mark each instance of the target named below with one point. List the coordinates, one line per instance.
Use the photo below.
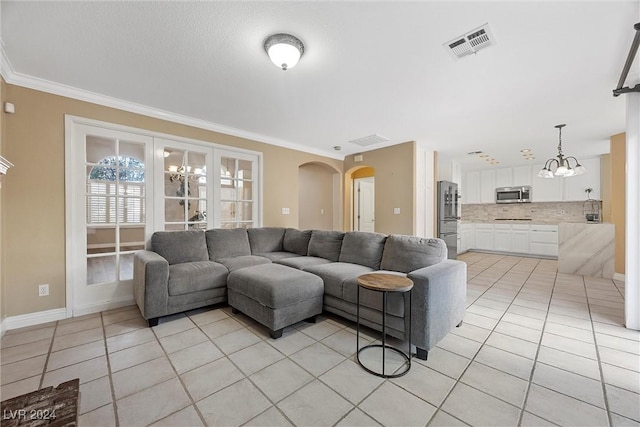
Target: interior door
(364, 204)
(108, 195)
(238, 191)
(182, 201)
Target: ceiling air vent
(366, 141)
(471, 42)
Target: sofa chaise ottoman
(275, 295)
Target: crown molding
(19, 79)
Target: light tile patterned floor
(536, 348)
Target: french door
(237, 180)
(122, 184)
(186, 186)
(109, 221)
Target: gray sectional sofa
(271, 274)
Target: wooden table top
(385, 282)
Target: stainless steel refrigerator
(448, 216)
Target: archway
(318, 197)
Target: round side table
(385, 283)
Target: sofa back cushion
(180, 246)
(225, 243)
(266, 239)
(326, 244)
(408, 253)
(296, 241)
(359, 247)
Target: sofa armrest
(438, 301)
(151, 283)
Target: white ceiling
(369, 68)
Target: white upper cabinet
(471, 186)
(480, 186)
(546, 189)
(575, 186)
(522, 175)
(504, 177)
(488, 186)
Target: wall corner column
(632, 246)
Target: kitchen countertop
(523, 221)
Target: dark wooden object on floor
(51, 407)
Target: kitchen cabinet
(502, 238)
(471, 193)
(479, 186)
(543, 240)
(522, 175)
(504, 177)
(488, 186)
(575, 186)
(466, 238)
(531, 239)
(546, 189)
(520, 238)
(484, 237)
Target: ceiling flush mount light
(563, 167)
(284, 50)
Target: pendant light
(563, 166)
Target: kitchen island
(586, 249)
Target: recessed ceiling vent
(471, 42)
(366, 141)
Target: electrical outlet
(43, 290)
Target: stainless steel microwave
(513, 194)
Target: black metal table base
(407, 361)
(384, 346)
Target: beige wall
(317, 199)
(394, 187)
(618, 188)
(33, 203)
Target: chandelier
(562, 164)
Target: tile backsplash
(540, 212)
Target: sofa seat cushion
(227, 243)
(180, 246)
(359, 247)
(409, 253)
(275, 286)
(334, 275)
(275, 256)
(302, 262)
(373, 299)
(235, 263)
(196, 276)
(265, 239)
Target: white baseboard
(618, 276)
(3, 327)
(30, 319)
(98, 307)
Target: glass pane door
(238, 195)
(107, 192)
(185, 186)
(115, 207)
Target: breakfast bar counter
(586, 249)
